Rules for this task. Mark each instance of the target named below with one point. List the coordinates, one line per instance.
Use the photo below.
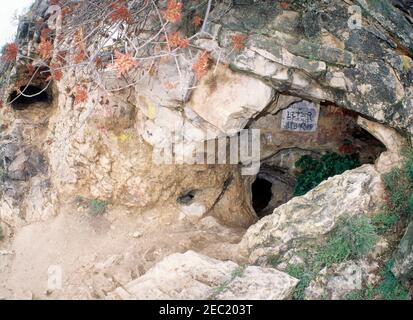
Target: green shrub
(313, 171)
(1, 233)
(367, 293)
(95, 207)
(399, 187)
(390, 288)
(384, 222)
(273, 260)
(300, 272)
(353, 238)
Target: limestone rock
(228, 100)
(393, 141)
(194, 276)
(403, 266)
(332, 59)
(336, 282)
(305, 219)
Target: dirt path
(97, 254)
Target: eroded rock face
(103, 149)
(194, 276)
(25, 189)
(315, 52)
(304, 220)
(393, 141)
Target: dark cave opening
(261, 195)
(186, 198)
(32, 94)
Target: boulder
(195, 276)
(303, 220)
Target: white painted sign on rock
(300, 116)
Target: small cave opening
(186, 198)
(32, 94)
(261, 190)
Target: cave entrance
(272, 187)
(32, 94)
(295, 162)
(261, 191)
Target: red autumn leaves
(120, 12)
(10, 52)
(202, 64)
(80, 95)
(177, 41)
(124, 63)
(238, 41)
(45, 48)
(173, 12)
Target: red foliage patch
(196, 21)
(45, 33)
(10, 52)
(175, 40)
(80, 56)
(121, 12)
(238, 41)
(80, 95)
(45, 48)
(30, 69)
(124, 63)
(284, 5)
(173, 12)
(202, 64)
(55, 72)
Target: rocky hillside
(232, 149)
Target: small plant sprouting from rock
(314, 171)
(95, 207)
(237, 272)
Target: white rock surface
(195, 276)
(229, 100)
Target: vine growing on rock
(92, 39)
